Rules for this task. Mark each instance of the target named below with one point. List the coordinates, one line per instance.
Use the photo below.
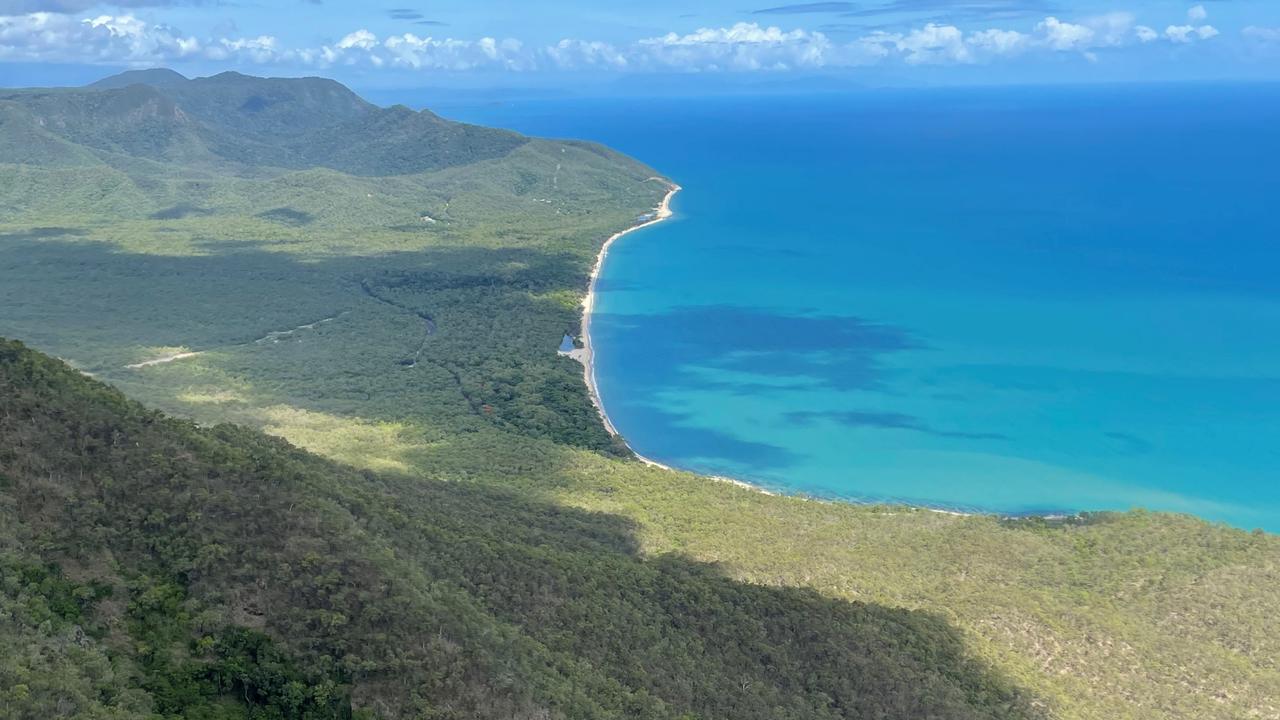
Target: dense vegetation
(481, 546)
(172, 556)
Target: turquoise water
(1013, 300)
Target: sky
(596, 43)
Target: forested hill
(154, 568)
(239, 120)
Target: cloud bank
(123, 39)
(1262, 34)
(742, 47)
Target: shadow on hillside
(700, 640)
(295, 541)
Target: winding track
(272, 336)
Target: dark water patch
(684, 441)
(845, 369)
(605, 284)
(741, 351)
(1130, 444)
(755, 329)
(839, 352)
(888, 421)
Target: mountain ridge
(288, 123)
(149, 76)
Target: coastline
(586, 357)
(584, 354)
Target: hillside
(392, 301)
(231, 120)
(152, 566)
(153, 76)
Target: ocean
(1020, 300)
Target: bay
(1001, 299)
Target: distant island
(284, 433)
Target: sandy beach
(584, 354)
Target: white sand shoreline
(585, 356)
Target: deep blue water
(1018, 300)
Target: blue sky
(572, 43)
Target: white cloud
(741, 33)
(1087, 37)
(945, 45)
(867, 50)
(104, 38)
(1111, 29)
(428, 53)
(262, 49)
(1183, 34)
(1000, 42)
(1197, 13)
(1262, 34)
(568, 54)
(934, 44)
(1060, 35)
(362, 39)
(414, 52)
(743, 46)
